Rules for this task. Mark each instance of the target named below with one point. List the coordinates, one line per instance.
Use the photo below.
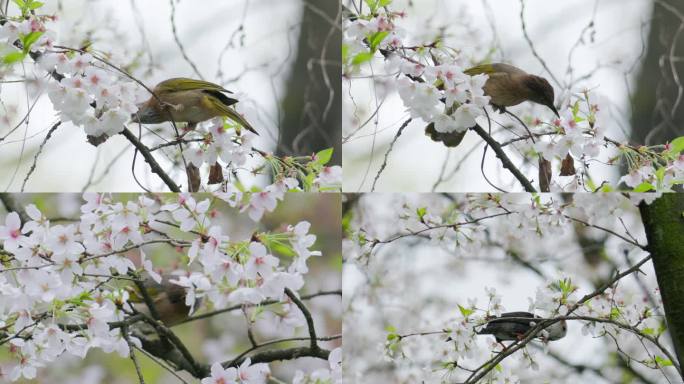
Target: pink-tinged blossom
(26, 366)
(219, 375)
(259, 203)
(10, 233)
(252, 374)
(301, 242)
(63, 239)
(232, 195)
(274, 287)
(260, 263)
(149, 267)
(330, 177)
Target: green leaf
(614, 313)
(377, 38)
(373, 5)
(20, 3)
(663, 362)
(362, 57)
(324, 156)
(465, 311)
(606, 188)
(566, 286)
(280, 248)
(575, 109)
(421, 212)
(13, 57)
(28, 40)
(35, 5)
(677, 145)
(644, 187)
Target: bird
(507, 86)
(191, 101)
(512, 326)
(168, 299)
(188, 100)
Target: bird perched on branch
(514, 325)
(168, 299)
(506, 86)
(189, 101)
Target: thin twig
(384, 162)
(40, 150)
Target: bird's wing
(508, 323)
(480, 69)
(504, 328)
(489, 69)
(514, 317)
(185, 84)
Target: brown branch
(131, 351)
(266, 302)
(505, 160)
(11, 206)
(307, 315)
(281, 354)
(154, 165)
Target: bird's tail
(236, 117)
(452, 139)
(232, 114)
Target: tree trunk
(664, 223)
(312, 106)
(657, 116)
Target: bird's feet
(499, 108)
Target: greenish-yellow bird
(190, 101)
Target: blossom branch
(485, 368)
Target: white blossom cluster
(54, 296)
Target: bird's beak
(553, 108)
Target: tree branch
(505, 160)
(154, 165)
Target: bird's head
(557, 330)
(148, 113)
(541, 92)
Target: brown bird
(506, 86)
(168, 299)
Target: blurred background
(626, 51)
(281, 58)
(224, 336)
